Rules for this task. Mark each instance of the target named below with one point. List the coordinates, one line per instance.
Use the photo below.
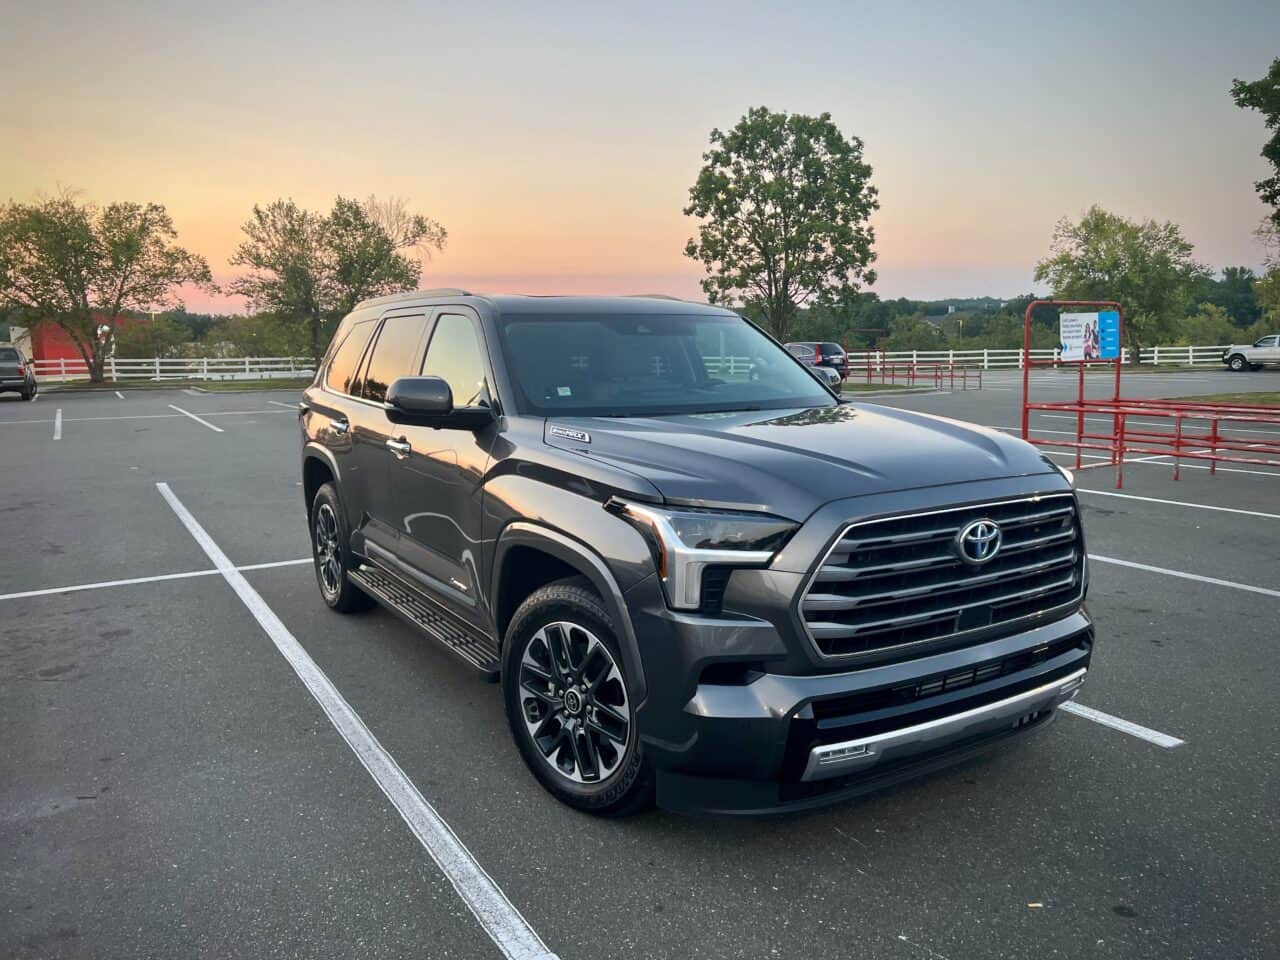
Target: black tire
(587, 770)
(1237, 363)
(331, 555)
(30, 392)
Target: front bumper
(774, 742)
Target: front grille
(898, 581)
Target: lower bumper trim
(838, 759)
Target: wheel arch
(568, 557)
(318, 468)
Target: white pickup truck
(1266, 350)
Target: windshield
(629, 365)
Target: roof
(655, 304)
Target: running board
(426, 614)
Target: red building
(50, 342)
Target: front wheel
(331, 554)
(1237, 363)
(569, 702)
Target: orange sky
(558, 147)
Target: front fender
(523, 533)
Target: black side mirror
(428, 402)
(421, 396)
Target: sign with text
(1089, 336)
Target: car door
(434, 481)
(1267, 350)
(347, 422)
(396, 352)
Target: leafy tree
(82, 267)
(1268, 292)
(784, 201)
(1264, 96)
(309, 269)
(1145, 266)
(1235, 293)
(259, 335)
(1210, 324)
(158, 337)
(914, 332)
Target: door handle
(340, 426)
(399, 448)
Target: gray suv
(700, 576)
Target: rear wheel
(332, 556)
(30, 392)
(569, 702)
(1237, 363)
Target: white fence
(1183, 356)
(177, 368)
(986, 359)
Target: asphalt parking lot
(170, 787)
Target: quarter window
(455, 356)
(395, 355)
(346, 359)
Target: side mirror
(428, 402)
(420, 396)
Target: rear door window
(396, 353)
(8, 355)
(344, 366)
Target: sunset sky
(557, 142)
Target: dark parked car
(699, 576)
(17, 374)
(806, 354)
(825, 353)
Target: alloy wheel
(328, 562)
(574, 702)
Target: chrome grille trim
(939, 599)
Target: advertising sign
(1089, 336)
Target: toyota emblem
(979, 542)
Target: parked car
(17, 374)
(805, 354)
(825, 353)
(1264, 351)
(730, 592)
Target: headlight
(687, 541)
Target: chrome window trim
(906, 650)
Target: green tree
(784, 201)
(259, 335)
(82, 267)
(913, 332)
(1235, 294)
(309, 269)
(1264, 96)
(157, 337)
(1146, 266)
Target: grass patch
(233, 386)
(1268, 398)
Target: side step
(421, 611)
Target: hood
(790, 462)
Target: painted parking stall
(473, 859)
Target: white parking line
(290, 406)
(1178, 503)
(101, 584)
(57, 425)
(149, 416)
(1133, 729)
(188, 413)
(504, 924)
(1247, 587)
(119, 394)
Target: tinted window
(832, 348)
(455, 356)
(395, 355)
(647, 365)
(346, 359)
(8, 356)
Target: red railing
(873, 370)
(1192, 430)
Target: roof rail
(655, 296)
(413, 295)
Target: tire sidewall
(576, 606)
(1237, 363)
(328, 495)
